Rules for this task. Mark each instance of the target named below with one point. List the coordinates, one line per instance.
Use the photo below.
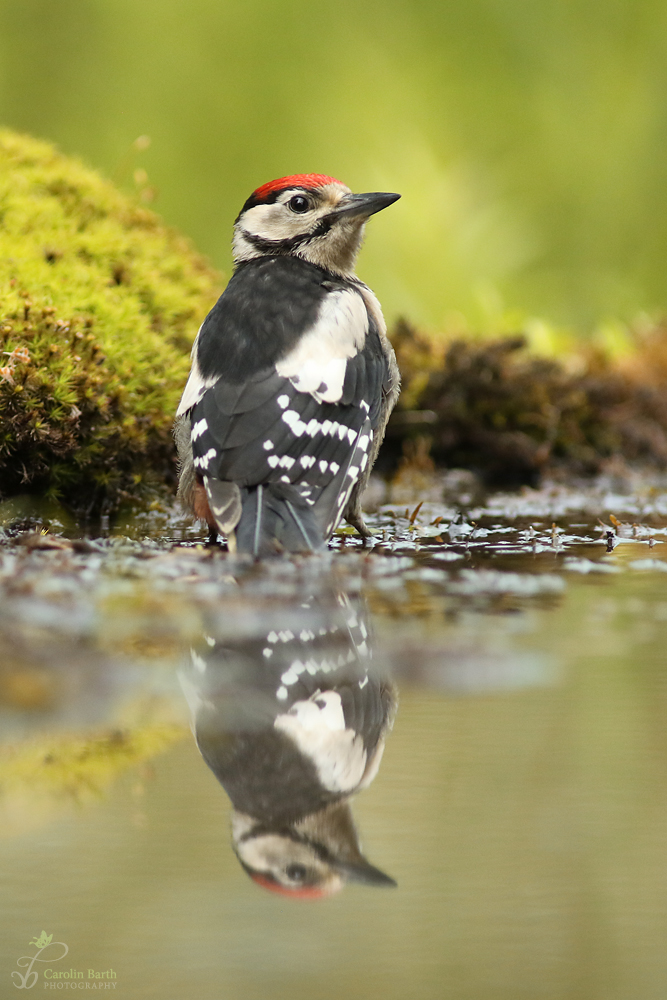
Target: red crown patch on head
(303, 892)
(296, 180)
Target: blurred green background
(528, 137)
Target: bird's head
(308, 215)
(309, 859)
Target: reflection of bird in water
(292, 722)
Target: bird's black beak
(363, 205)
(364, 873)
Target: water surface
(521, 805)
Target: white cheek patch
(276, 222)
(269, 853)
(317, 364)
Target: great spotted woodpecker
(292, 720)
(293, 377)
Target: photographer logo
(51, 952)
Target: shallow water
(521, 804)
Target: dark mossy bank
(512, 417)
(99, 304)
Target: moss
(99, 304)
(493, 407)
(42, 779)
(83, 764)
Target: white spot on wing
(198, 661)
(294, 422)
(202, 461)
(198, 429)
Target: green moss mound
(99, 304)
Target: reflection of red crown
(301, 892)
(296, 180)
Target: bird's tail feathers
(224, 500)
(275, 519)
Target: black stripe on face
(252, 201)
(266, 830)
(294, 242)
(272, 197)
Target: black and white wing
(295, 715)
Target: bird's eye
(299, 203)
(296, 873)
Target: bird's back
(281, 431)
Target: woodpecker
(292, 722)
(293, 377)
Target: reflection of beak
(353, 205)
(362, 871)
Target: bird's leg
(356, 519)
(231, 542)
